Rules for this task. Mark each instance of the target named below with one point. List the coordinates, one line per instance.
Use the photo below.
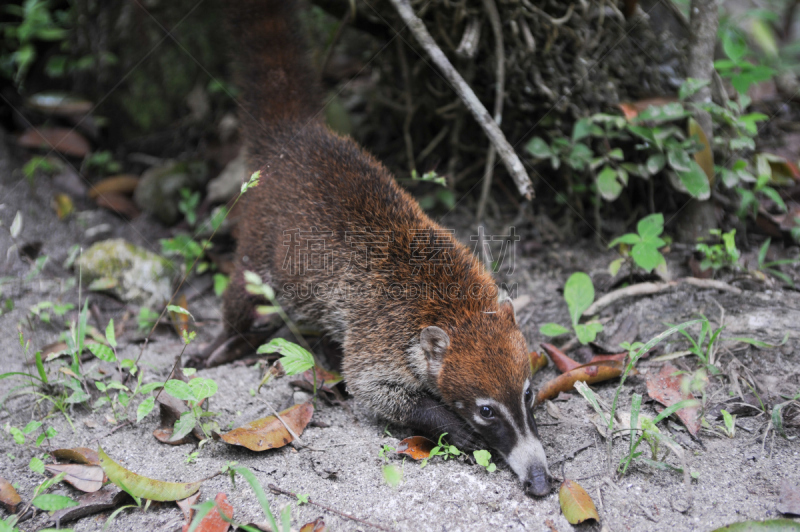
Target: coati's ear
(434, 343)
(507, 309)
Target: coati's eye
(487, 412)
(528, 395)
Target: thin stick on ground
(277, 415)
(276, 489)
(499, 90)
(512, 162)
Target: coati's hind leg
(237, 337)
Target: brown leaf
(213, 521)
(559, 358)
(88, 478)
(704, 157)
(9, 497)
(118, 204)
(789, 503)
(619, 357)
(186, 507)
(106, 498)
(63, 205)
(164, 435)
(123, 185)
(269, 432)
(416, 447)
(317, 525)
(60, 139)
(666, 389)
(576, 505)
(79, 455)
(632, 109)
(180, 321)
(589, 373)
(538, 361)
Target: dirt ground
(737, 479)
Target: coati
(425, 342)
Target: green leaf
(615, 265)
(691, 86)
(19, 437)
(221, 282)
(579, 295)
(483, 457)
(295, 359)
(202, 388)
(183, 426)
(259, 491)
(50, 502)
(392, 475)
(179, 310)
(30, 427)
(150, 386)
(552, 329)
(734, 44)
(695, 180)
(179, 390)
(770, 525)
(36, 465)
(772, 194)
(111, 336)
(655, 163)
(650, 227)
(103, 352)
(627, 238)
(145, 407)
(588, 332)
(143, 487)
(582, 129)
(608, 185)
(539, 148)
(646, 256)
(580, 156)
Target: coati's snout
(537, 482)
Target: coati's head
(482, 371)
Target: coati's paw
(465, 439)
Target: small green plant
(302, 498)
(147, 319)
(646, 243)
(221, 282)
(184, 246)
(443, 449)
(579, 295)
(39, 163)
(385, 450)
(769, 267)
(294, 358)
(739, 67)
(192, 457)
(730, 424)
(103, 162)
(484, 459)
(188, 204)
(392, 475)
(722, 254)
(195, 392)
(43, 309)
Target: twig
(644, 289)
(499, 90)
(510, 159)
(276, 489)
(409, 108)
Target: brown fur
(314, 178)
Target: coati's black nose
(537, 483)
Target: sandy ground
(737, 478)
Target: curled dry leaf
(665, 388)
(118, 204)
(9, 497)
(269, 432)
(538, 361)
(213, 521)
(317, 525)
(559, 358)
(87, 478)
(146, 488)
(79, 455)
(106, 498)
(186, 507)
(60, 139)
(588, 373)
(416, 447)
(123, 184)
(576, 505)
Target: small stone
(301, 397)
(141, 277)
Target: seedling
(769, 267)
(188, 205)
(645, 244)
(445, 450)
(579, 295)
(484, 459)
(730, 424)
(722, 254)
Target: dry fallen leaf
(416, 447)
(63, 205)
(665, 388)
(704, 157)
(589, 373)
(269, 432)
(213, 521)
(576, 505)
(9, 497)
(538, 361)
(123, 184)
(118, 204)
(60, 139)
(186, 507)
(88, 478)
(108, 497)
(79, 455)
(317, 525)
(559, 358)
